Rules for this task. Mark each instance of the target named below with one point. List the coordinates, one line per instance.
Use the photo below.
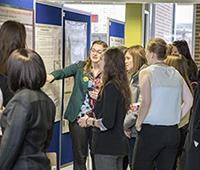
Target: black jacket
(191, 154)
(27, 126)
(111, 108)
(7, 94)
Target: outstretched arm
(49, 79)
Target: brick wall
(197, 37)
(163, 20)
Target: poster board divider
(50, 15)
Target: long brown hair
(138, 54)
(88, 63)
(179, 62)
(115, 71)
(12, 37)
(183, 48)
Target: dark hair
(138, 54)
(12, 37)
(183, 49)
(179, 62)
(115, 71)
(157, 46)
(88, 64)
(25, 69)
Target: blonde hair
(169, 49)
(179, 62)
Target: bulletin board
(49, 45)
(19, 3)
(22, 15)
(115, 34)
(84, 23)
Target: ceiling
(119, 1)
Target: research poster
(48, 43)
(75, 50)
(116, 41)
(21, 15)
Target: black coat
(7, 94)
(190, 159)
(110, 107)
(27, 126)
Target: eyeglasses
(95, 51)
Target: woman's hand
(196, 143)
(82, 122)
(1, 110)
(49, 79)
(128, 133)
(138, 128)
(93, 94)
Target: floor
(71, 168)
(88, 164)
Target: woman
(5, 96)
(28, 119)
(135, 62)
(181, 47)
(87, 82)
(165, 99)
(110, 144)
(179, 62)
(191, 153)
(12, 37)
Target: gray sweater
(131, 115)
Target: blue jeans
(111, 162)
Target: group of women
(152, 103)
(129, 105)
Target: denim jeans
(110, 162)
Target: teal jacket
(79, 90)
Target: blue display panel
(115, 32)
(19, 3)
(46, 14)
(66, 144)
(116, 29)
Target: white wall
(103, 11)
